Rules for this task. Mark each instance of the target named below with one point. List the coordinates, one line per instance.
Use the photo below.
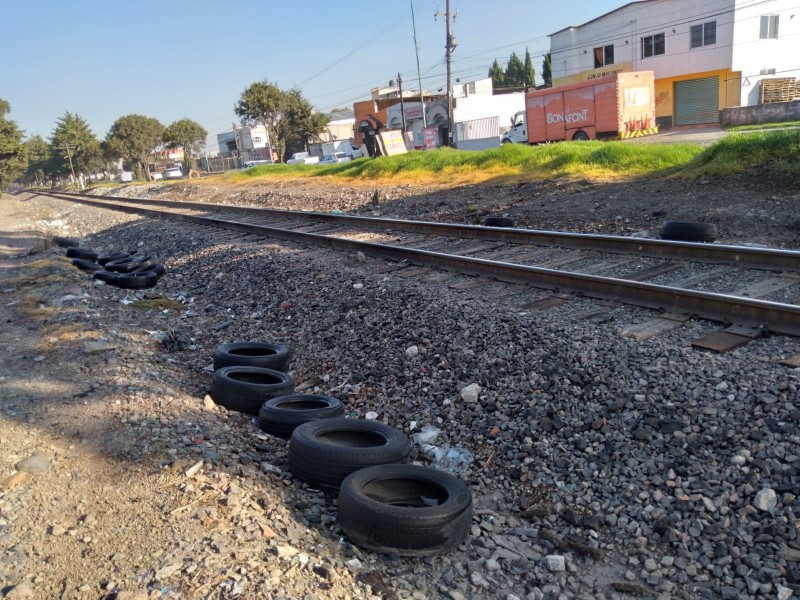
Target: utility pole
(69, 156)
(419, 76)
(450, 45)
(402, 105)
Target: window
(769, 27)
(604, 55)
(704, 35)
(653, 45)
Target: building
(705, 56)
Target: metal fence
(477, 134)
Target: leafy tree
(13, 155)
(515, 71)
(73, 140)
(498, 75)
(528, 73)
(188, 135)
(263, 103)
(39, 157)
(133, 138)
(547, 71)
(301, 123)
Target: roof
(611, 12)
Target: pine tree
(529, 75)
(547, 73)
(497, 75)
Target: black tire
(282, 415)
(63, 242)
(144, 263)
(498, 221)
(245, 389)
(81, 253)
(122, 264)
(405, 509)
(104, 260)
(688, 232)
(106, 276)
(324, 452)
(127, 281)
(86, 265)
(580, 136)
(159, 269)
(255, 354)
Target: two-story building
(705, 56)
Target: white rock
(766, 500)
(285, 551)
(371, 416)
(358, 286)
(412, 351)
(471, 393)
(784, 593)
(555, 563)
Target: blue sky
(173, 60)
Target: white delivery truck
(346, 146)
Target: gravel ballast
(603, 466)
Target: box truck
(613, 107)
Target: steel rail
(755, 258)
(769, 316)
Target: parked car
(173, 173)
(156, 175)
(302, 158)
(332, 159)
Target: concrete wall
(761, 113)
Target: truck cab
(518, 134)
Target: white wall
(572, 49)
(502, 106)
(752, 55)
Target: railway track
(751, 290)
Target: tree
(13, 156)
(132, 138)
(188, 135)
(301, 123)
(528, 73)
(39, 157)
(547, 72)
(263, 103)
(515, 71)
(74, 147)
(497, 75)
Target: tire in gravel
(688, 232)
(121, 265)
(282, 415)
(126, 281)
(405, 509)
(498, 221)
(245, 389)
(106, 276)
(81, 253)
(324, 452)
(157, 268)
(266, 355)
(64, 242)
(104, 260)
(86, 265)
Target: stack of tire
(384, 504)
(121, 269)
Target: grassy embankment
(777, 151)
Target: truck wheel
(506, 141)
(580, 136)
(405, 509)
(688, 232)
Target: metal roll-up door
(697, 101)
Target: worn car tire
(107, 276)
(141, 281)
(245, 389)
(159, 269)
(282, 415)
(255, 354)
(64, 242)
(104, 260)
(498, 221)
(123, 264)
(86, 265)
(688, 231)
(324, 452)
(405, 509)
(81, 253)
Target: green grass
(775, 151)
(762, 126)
